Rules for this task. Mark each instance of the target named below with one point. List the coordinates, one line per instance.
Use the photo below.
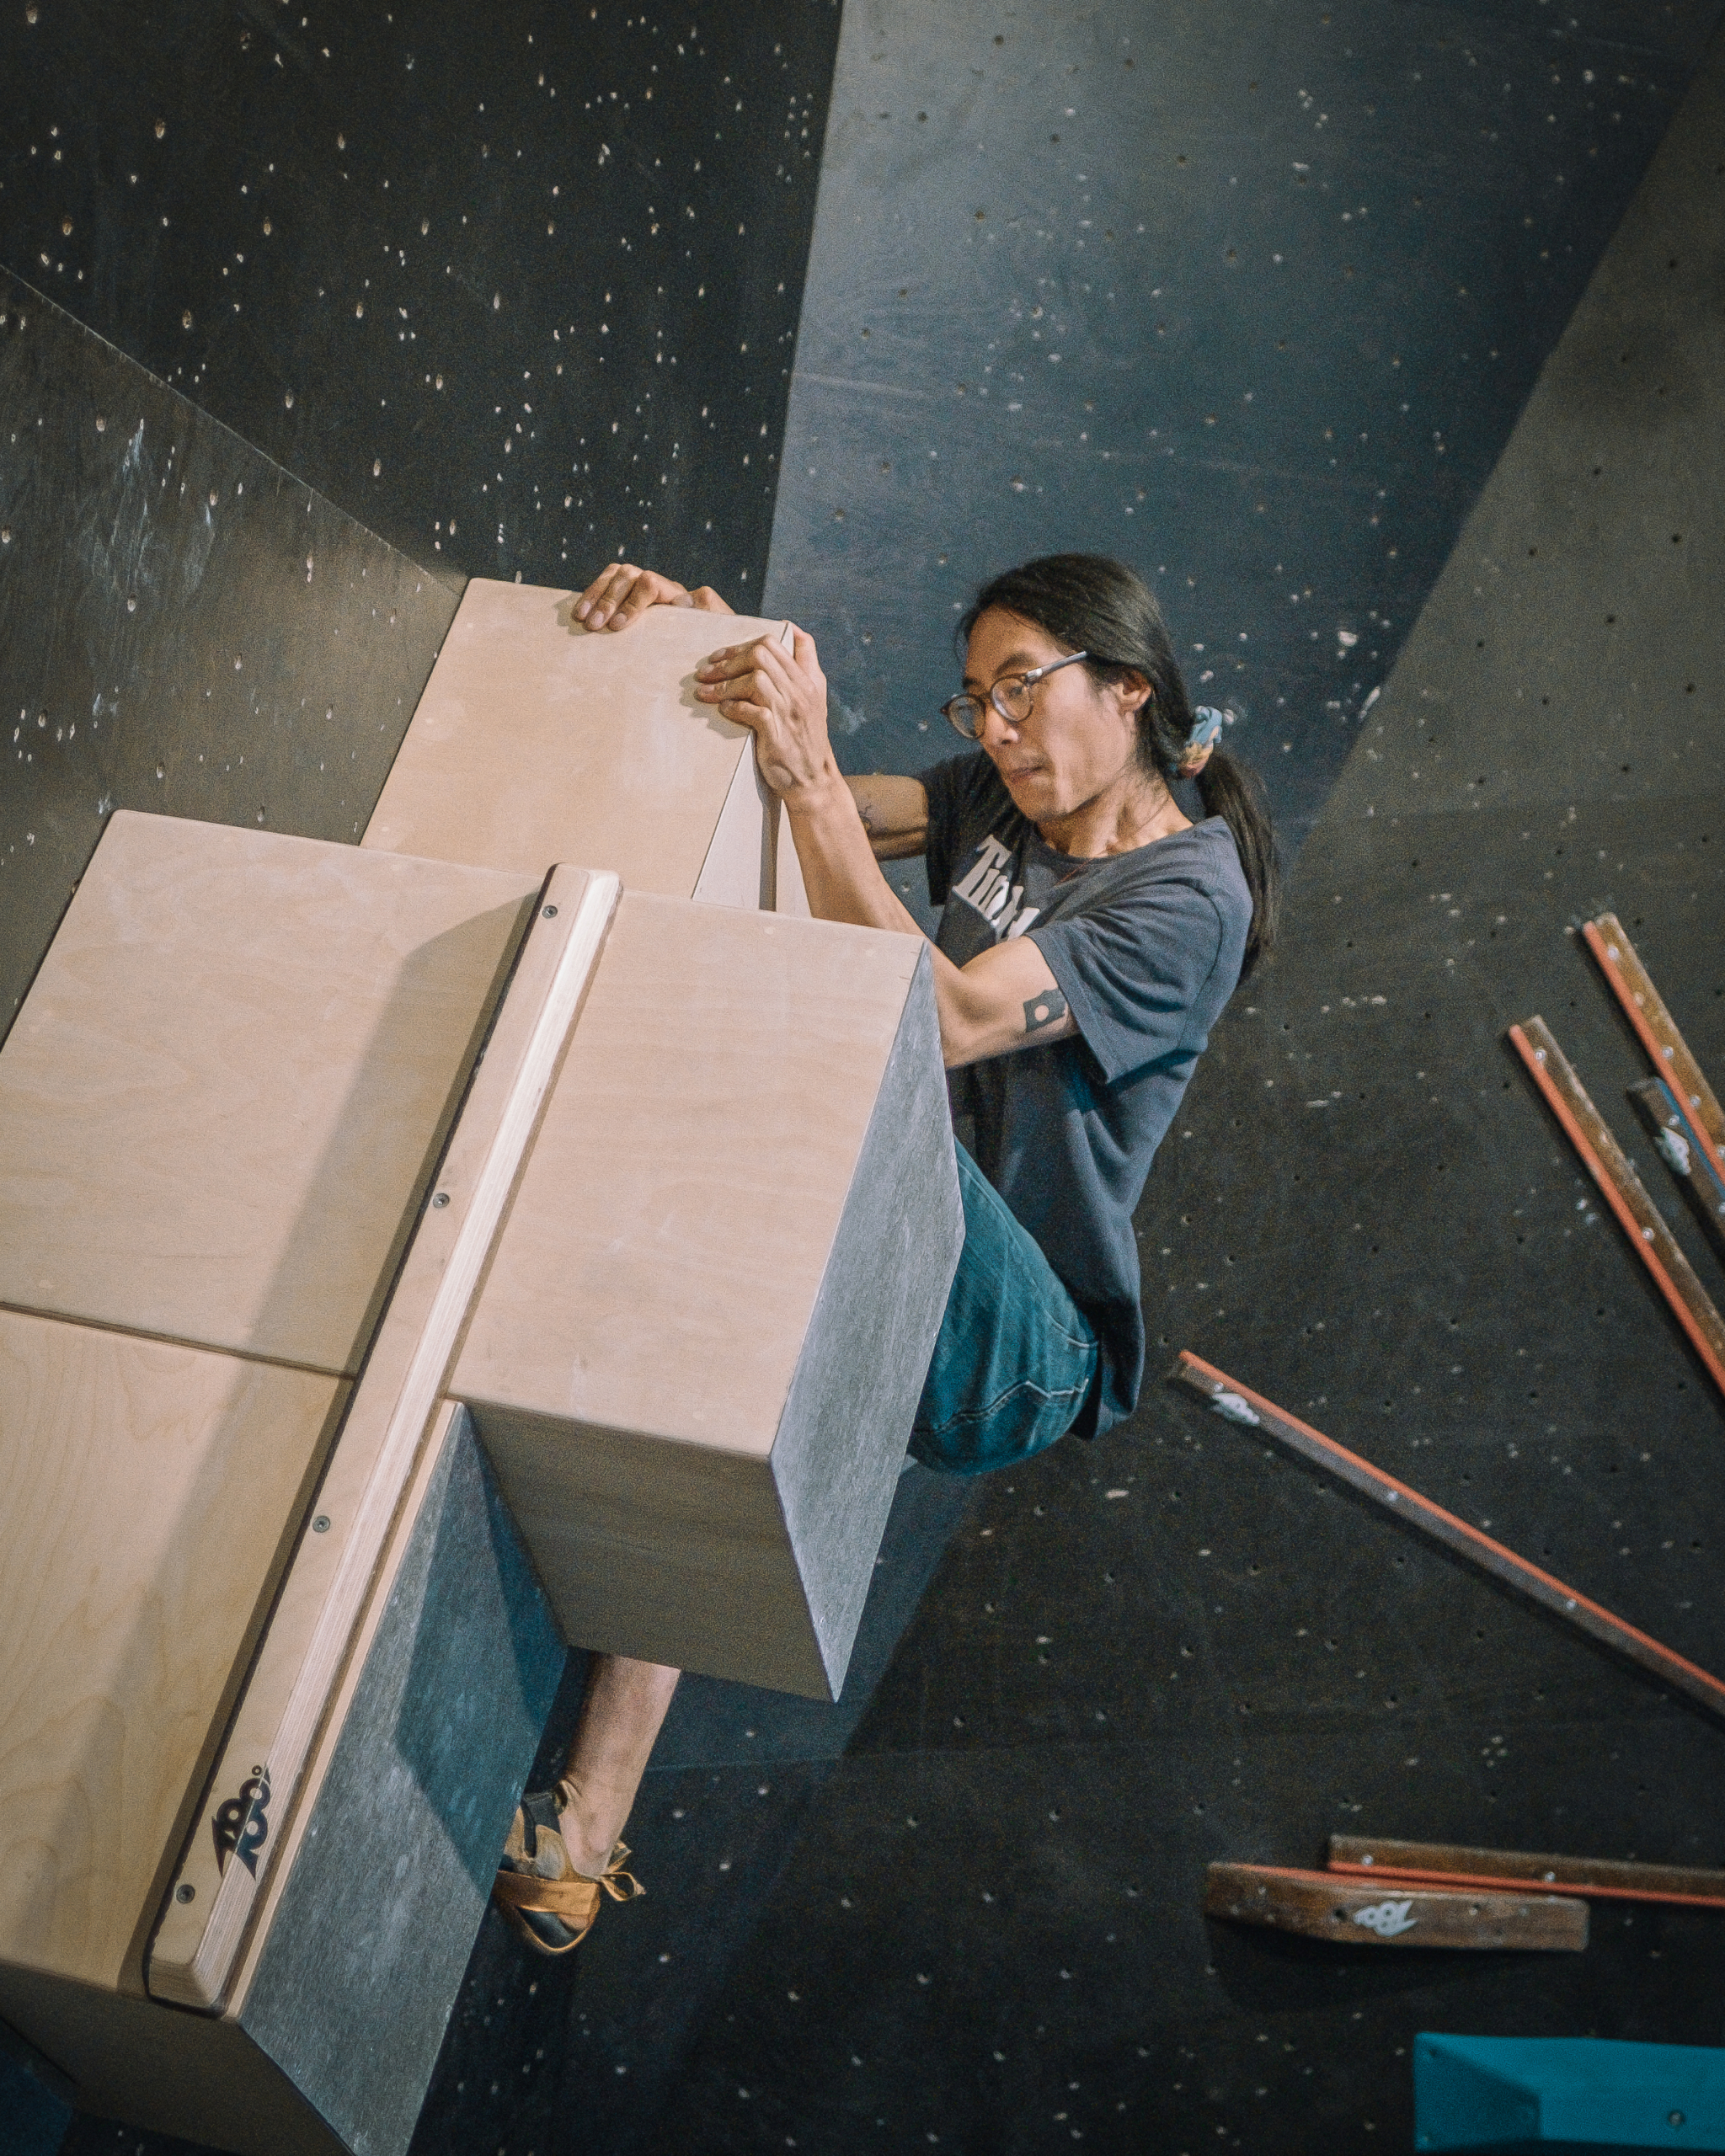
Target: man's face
(1079, 737)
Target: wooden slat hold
(1370, 1856)
(1318, 1905)
(1635, 1212)
(1675, 1132)
(1632, 985)
(1238, 1403)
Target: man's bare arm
(895, 813)
(1006, 998)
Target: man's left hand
(781, 696)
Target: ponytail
(1233, 790)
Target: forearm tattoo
(1043, 1010)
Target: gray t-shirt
(1146, 948)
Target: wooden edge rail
(1640, 1219)
(1370, 1856)
(1239, 1403)
(246, 1815)
(1630, 983)
(1319, 1905)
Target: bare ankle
(621, 1711)
(586, 1833)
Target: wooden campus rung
(1368, 1857)
(1640, 1219)
(1675, 1133)
(1239, 1403)
(1318, 1905)
(1644, 1007)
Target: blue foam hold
(1511, 2093)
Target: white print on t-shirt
(990, 890)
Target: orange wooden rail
(1370, 1856)
(1640, 1219)
(1239, 1403)
(1644, 1007)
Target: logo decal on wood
(1386, 1918)
(241, 1825)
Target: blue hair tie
(1206, 731)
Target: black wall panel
(1249, 295)
(517, 285)
(184, 627)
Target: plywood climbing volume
(243, 1050)
(718, 1137)
(534, 741)
(702, 1338)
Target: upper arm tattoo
(1047, 1010)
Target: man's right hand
(622, 593)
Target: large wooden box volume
(534, 741)
(700, 1346)
(252, 1175)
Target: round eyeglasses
(1011, 697)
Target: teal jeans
(1016, 1358)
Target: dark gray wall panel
(526, 274)
(601, 2038)
(35, 2099)
(1249, 295)
(1176, 1646)
(183, 628)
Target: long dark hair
(1088, 603)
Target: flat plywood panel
(150, 1489)
(670, 1552)
(231, 1075)
(662, 1259)
(535, 741)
